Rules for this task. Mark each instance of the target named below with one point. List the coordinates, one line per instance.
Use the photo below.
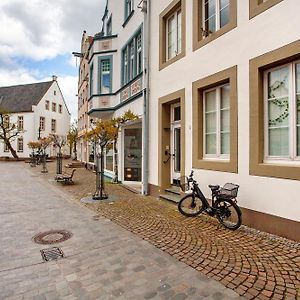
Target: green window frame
(105, 72)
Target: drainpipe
(146, 10)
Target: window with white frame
(5, 148)
(139, 60)
(173, 34)
(132, 58)
(42, 123)
(282, 112)
(54, 106)
(20, 144)
(128, 8)
(47, 103)
(105, 76)
(53, 125)
(215, 15)
(60, 108)
(20, 123)
(216, 119)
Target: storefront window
(133, 154)
(109, 152)
(91, 153)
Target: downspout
(145, 187)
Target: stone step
(173, 190)
(170, 197)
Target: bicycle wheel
(190, 205)
(228, 213)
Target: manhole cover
(52, 237)
(52, 254)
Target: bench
(66, 177)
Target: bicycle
(224, 203)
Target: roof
(20, 98)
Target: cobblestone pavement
(102, 260)
(254, 264)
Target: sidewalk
(254, 264)
(102, 260)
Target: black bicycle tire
(185, 213)
(237, 209)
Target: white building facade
(116, 85)
(45, 112)
(224, 101)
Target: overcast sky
(37, 38)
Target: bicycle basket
(183, 183)
(229, 190)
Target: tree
(8, 131)
(58, 141)
(72, 139)
(108, 131)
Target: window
(172, 33)
(132, 59)
(212, 18)
(54, 93)
(139, 54)
(128, 8)
(215, 122)
(20, 144)
(282, 107)
(109, 157)
(91, 79)
(6, 121)
(105, 66)
(109, 26)
(60, 108)
(257, 7)
(53, 106)
(53, 125)
(20, 123)
(215, 15)
(42, 123)
(6, 148)
(47, 104)
(274, 113)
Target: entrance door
(175, 144)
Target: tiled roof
(20, 98)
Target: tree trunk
(11, 149)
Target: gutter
(145, 187)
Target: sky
(37, 38)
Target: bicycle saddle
(214, 187)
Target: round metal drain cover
(52, 237)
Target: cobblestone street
(101, 259)
(254, 264)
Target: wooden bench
(66, 177)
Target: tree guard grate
(52, 254)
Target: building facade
(38, 109)
(116, 84)
(83, 152)
(224, 86)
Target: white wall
(270, 30)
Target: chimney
(54, 78)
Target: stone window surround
(257, 67)
(163, 16)
(198, 39)
(199, 162)
(257, 7)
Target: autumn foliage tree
(8, 131)
(107, 131)
(72, 139)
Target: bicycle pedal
(209, 210)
